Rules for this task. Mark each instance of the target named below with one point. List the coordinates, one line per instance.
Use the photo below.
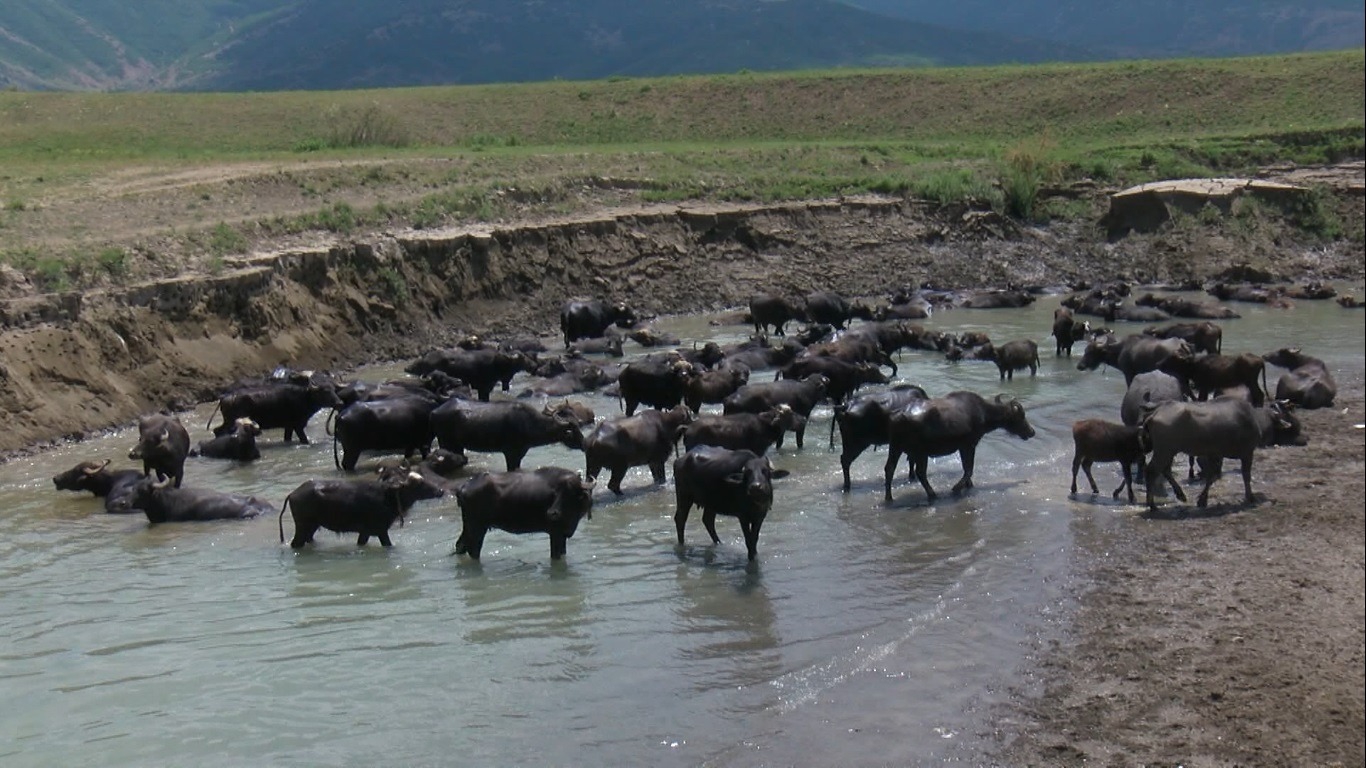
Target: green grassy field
(994, 133)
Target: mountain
(366, 44)
(1153, 28)
(325, 44)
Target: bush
(224, 239)
(367, 127)
(1025, 168)
(114, 261)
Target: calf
(1308, 384)
(1067, 331)
(1017, 355)
(713, 386)
(1099, 440)
(165, 504)
(736, 484)
(766, 309)
(547, 500)
(755, 432)
(863, 423)
(633, 441)
(1209, 373)
(239, 445)
(1203, 337)
(955, 423)
(163, 445)
(364, 507)
(98, 479)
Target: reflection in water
(725, 614)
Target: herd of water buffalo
(1184, 396)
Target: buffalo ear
(779, 474)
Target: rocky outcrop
(1147, 207)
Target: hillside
(1156, 28)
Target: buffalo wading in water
(548, 500)
(954, 423)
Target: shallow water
(864, 633)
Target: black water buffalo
(1203, 337)
(591, 319)
(755, 432)
(1149, 389)
(365, 507)
(97, 478)
(736, 484)
(863, 422)
(1179, 307)
(755, 355)
(833, 309)
(1131, 313)
(165, 504)
(509, 428)
(397, 424)
(1099, 440)
(547, 500)
(1017, 355)
(854, 347)
(713, 386)
(765, 309)
(1207, 374)
(573, 377)
(1225, 427)
(954, 423)
(656, 381)
(1308, 384)
(649, 337)
(163, 445)
(238, 445)
(997, 299)
(287, 405)
(612, 346)
(843, 378)
(571, 411)
(800, 396)
(482, 369)
(1133, 355)
(633, 441)
(1067, 331)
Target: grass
(993, 135)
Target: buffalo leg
(893, 457)
(514, 458)
(614, 484)
(302, 535)
(470, 542)
(657, 471)
(709, 522)
(362, 539)
(801, 434)
(558, 546)
(1128, 480)
(751, 531)
(921, 466)
(681, 516)
(1247, 479)
(968, 456)
(383, 537)
(349, 459)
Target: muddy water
(865, 634)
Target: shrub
(393, 286)
(224, 239)
(369, 126)
(1025, 168)
(114, 261)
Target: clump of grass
(393, 286)
(223, 239)
(113, 261)
(366, 126)
(1026, 167)
(951, 186)
(1313, 213)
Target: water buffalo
(755, 432)
(365, 507)
(238, 445)
(1099, 440)
(633, 441)
(800, 396)
(649, 337)
(591, 319)
(1067, 331)
(97, 478)
(165, 504)
(756, 355)
(1207, 374)
(833, 309)
(843, 378)
(1225, 427)
(997, 299)
(612, 346)
(1017, 355)
(396, 424)
(766, 309)
(1149, 389)
(736, 484)
(547, 500)
(287, 404)
(482, 369)
(713, 386)
(954, 423)
(1179, 307)
(657, 381)
(1308, 384)
(163, 445)
(572, 411)
(1133, 355)
(509, 428)
(1203, 336)
(864, 422)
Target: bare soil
(1231, 637)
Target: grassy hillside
(248, 166)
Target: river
(864, 634)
